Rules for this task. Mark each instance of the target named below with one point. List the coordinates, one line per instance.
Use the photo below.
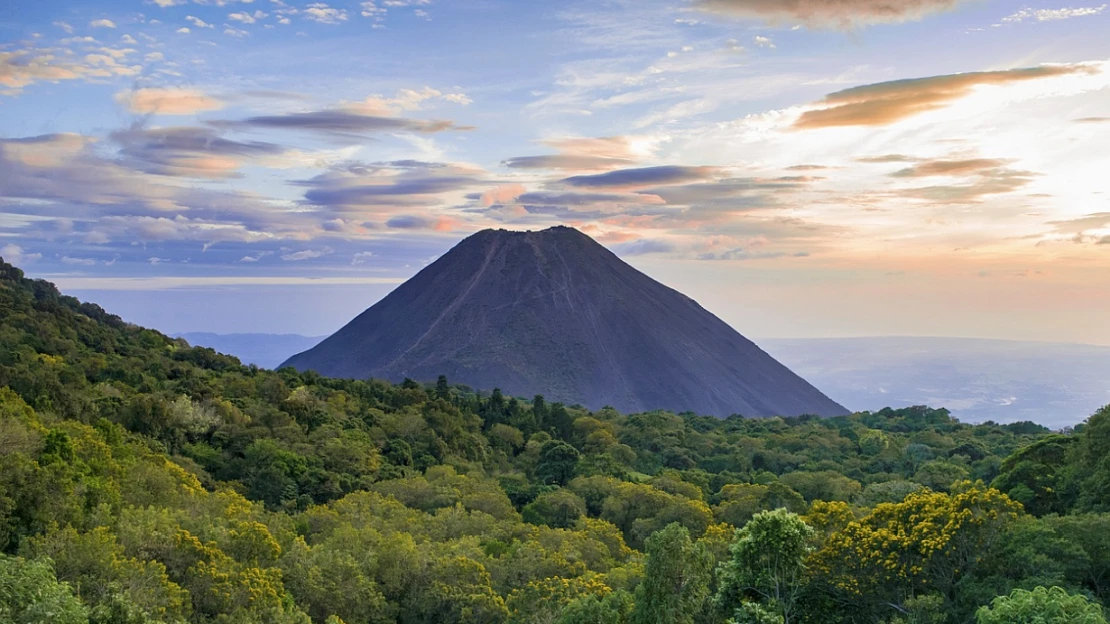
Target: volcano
(555, 313)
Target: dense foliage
(143, 480)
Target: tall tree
(676, 578)
(768, 563)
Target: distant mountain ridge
(555, 313)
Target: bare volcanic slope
(557, 314)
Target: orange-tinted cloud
(988, 182)
(844, 14)
(970, 166)
(887, 102)
(580, 154)
(168, 101)
(600, 147)
(502, 194)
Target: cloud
(842, 14)
(740, 253)
(764, 42)
(405, 100)
(887, 102)
(245, 17)
(1093, 120)
(399, 191)
(307, 254)
(323, 14)
(559, 198)
(887, 158)
(1051, 15)
(502, 194)
(989, 176)
(361, 257)
(80, 261)
(338, 122)
(64, 26)
(147, 228)
(737, 194)
(642, 177)
(110, 196)
(617, 147)
(20, 68)
(414, 222)
(168, 101)
(970, 166)
(988, 182)
(580, 154)
(102, 23)
(172, 282)
(196, 21)
(565, 161)
(188, 151)
(642, 247)
(14, 254)
(380, 188)
(1094, 221)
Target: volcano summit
(555, 313)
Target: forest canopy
(145, 480)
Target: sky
(802, 168)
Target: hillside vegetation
(143, 480)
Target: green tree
(676, 578)
(557, 462)
(767, 563)
(1040, 606)
(560, 509)
(615, 608)
(31, 594)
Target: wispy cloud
(306, 254)
(1052, 15)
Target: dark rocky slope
(555, 313)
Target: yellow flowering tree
(923, 544)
